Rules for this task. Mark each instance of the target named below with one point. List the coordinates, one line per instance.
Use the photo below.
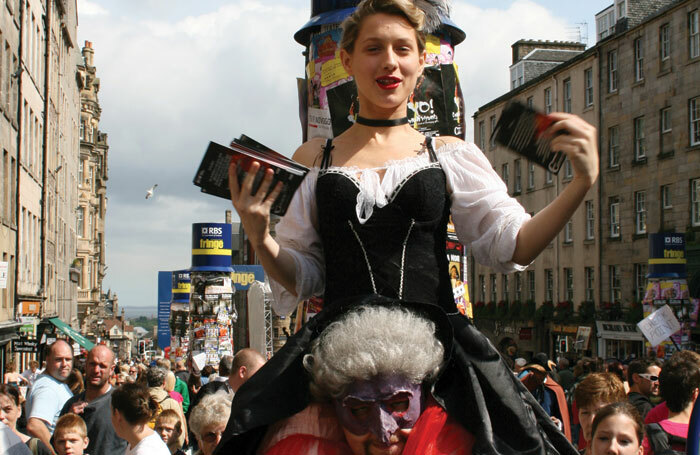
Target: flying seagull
(149, 193)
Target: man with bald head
(93, 405)
(246, 363)
(49, 392)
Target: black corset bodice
(399, 251)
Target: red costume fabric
(434, 434)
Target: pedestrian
(382, 193)
(75, 382)
(50, 392)
(31, 373)
(245, 364)
(12, 377)
(208, 420)
(10, 411)
(169, 428)
(679, 386)
(93, 405)
(132, 409)
(617, 429)
(155, 377)
(70, 436)
(596, 391)
(643, 378)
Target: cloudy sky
(176, 74)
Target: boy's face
(69, 443)
(167, 431)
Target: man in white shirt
(49, 392)
(31, 373)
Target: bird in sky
(149, 193)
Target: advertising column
(667, 285)
(180, 315)
(211, 293)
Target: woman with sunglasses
(208, 420)
(371, 218)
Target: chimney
(88, 53)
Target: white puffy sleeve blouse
(485, 216)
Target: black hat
(540, 362)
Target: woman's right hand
(253, 209)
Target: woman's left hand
(578, 139)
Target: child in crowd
(169, 427)
(70, 435)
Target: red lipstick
(388, 82)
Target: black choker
(381, 122)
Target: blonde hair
(170, 416)
(405, 9)
(169, 381)
(70, 423)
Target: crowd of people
(651, 400)
(120, 407)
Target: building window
(615, 291)
(518, 287)
(492, 140)
(590, 220)
(589, 277)
(518, 177)
(82, 130)
(531, 285)
(517, 74)
(548, 285)
(568, 232)
(505, 175)
(666, 202)
(547, 176)
(506, 291)
(612, 71)
(695, 202)
(530, 102)
(666, 120)
(694, 115)
(80, 225)
(588, 87)
(482, 288)
(614, 217)
(665, 41)
(567, 95)
(569, 280)
(640, 281)
(613, 147)
(640, 211)
(621, 10)
(548, 100)
(694, 34)
(638, 59)
(482, 135)
(640, 149)
(530, 175)
(494, 294)
(568, 169)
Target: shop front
(619, 340)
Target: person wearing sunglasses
(643, 378)
(208, 420)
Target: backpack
(152, 422)
(662, 443)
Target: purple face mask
(381, 405)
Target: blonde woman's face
(616, 435)
(385, 63)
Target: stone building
(640, 86)
(92, 201)
(39, 143)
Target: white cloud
(88, 8)
(485, 54)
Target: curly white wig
(212, 409)
(372, 341)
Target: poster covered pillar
(667, 285)
(164, 299)
(211, 293)
(180, 315)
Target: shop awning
(71, 332)
(617, 330)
